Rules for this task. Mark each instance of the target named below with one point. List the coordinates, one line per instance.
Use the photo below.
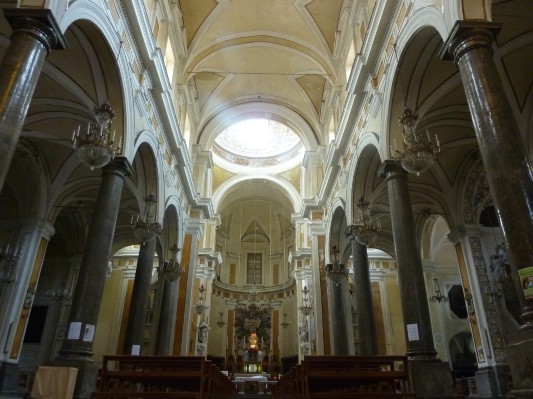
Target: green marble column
(35, 34)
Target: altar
(252, 384)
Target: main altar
(253, 379)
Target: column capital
(120, 166)
(467, 35)
(39, 23)
(459, 232)
(391, 169)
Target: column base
(432, 379)
(519, 350)
(491, 383)
(87, 376)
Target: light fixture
(285, 323)
(59, 294)
(364, 229)
(96, 147)
(171, 269)
(200, 306)
(417, 155)
(146, 228)
(439, 296)
(220, 321)
(336, 270)
(306, 308)
(8, 258)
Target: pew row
(346, 377)
(185, 377)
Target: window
(254, 268)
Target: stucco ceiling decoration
(276, 51)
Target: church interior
(263, 186)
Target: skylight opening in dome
(258, 138)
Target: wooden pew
(186, 377)
(324, 377)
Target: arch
(258, 110)
(367, 143)
(97, 16)
(286, 188)
(150, 160)
(427, 17)
(336, 227)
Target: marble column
(340, 309)
(508, 171)
(35, 34)
(76, 350)
(167, 318)
(139, 299)
(428, 376)
(366, 320)
(415, 307)
(502, 149)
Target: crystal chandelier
(306, 308)
(364, 229)
(200, 306)
(171, 269)
(8, 260)
(417, 156)
(146, 228)
(96, 147)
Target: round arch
(287, 188)
(258, 110)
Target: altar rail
(324, 377)
(185, 377)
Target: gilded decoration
(254, 318)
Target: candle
(437, 139)
(73, 134)
(427, 132)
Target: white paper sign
(135, 350)
(88, 335)
(412, 332)
(74, 330)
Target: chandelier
(336, 270)
(8, 260)
(364, 229)
(285, 323)
(146, 228)
(60, 294)
(220, 321)
(306, 308)
(417, 156)
(200, 306)
(171, 269)
(96, 147)
(439, 296)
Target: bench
(185, 377)
(323, 377)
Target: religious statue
(252, 340)
(202, 332)
(303, 331)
